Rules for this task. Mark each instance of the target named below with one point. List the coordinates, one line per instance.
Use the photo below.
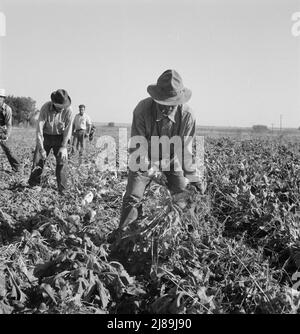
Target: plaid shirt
(52, 122)
(148, 121)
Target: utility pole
(272, 128)
(280, 123)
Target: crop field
(233, 250)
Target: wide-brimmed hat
(169, 89)
(61, 98)
(2, 92)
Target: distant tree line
(260, 128)
(23, 110)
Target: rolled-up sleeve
(88, 125)
(40, 127)
(68, 128)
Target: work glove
(86, 135)
(63, 154)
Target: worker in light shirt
(81, 129)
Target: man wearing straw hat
(5, 131)
(54, 129)
(164, 113)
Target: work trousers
(80, 138)
(137, 183)
(53, 142)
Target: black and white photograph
(149, 160)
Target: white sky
(238, 57)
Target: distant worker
(5, 131)
(54, 129)
(81, 129)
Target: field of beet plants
(233, 250)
